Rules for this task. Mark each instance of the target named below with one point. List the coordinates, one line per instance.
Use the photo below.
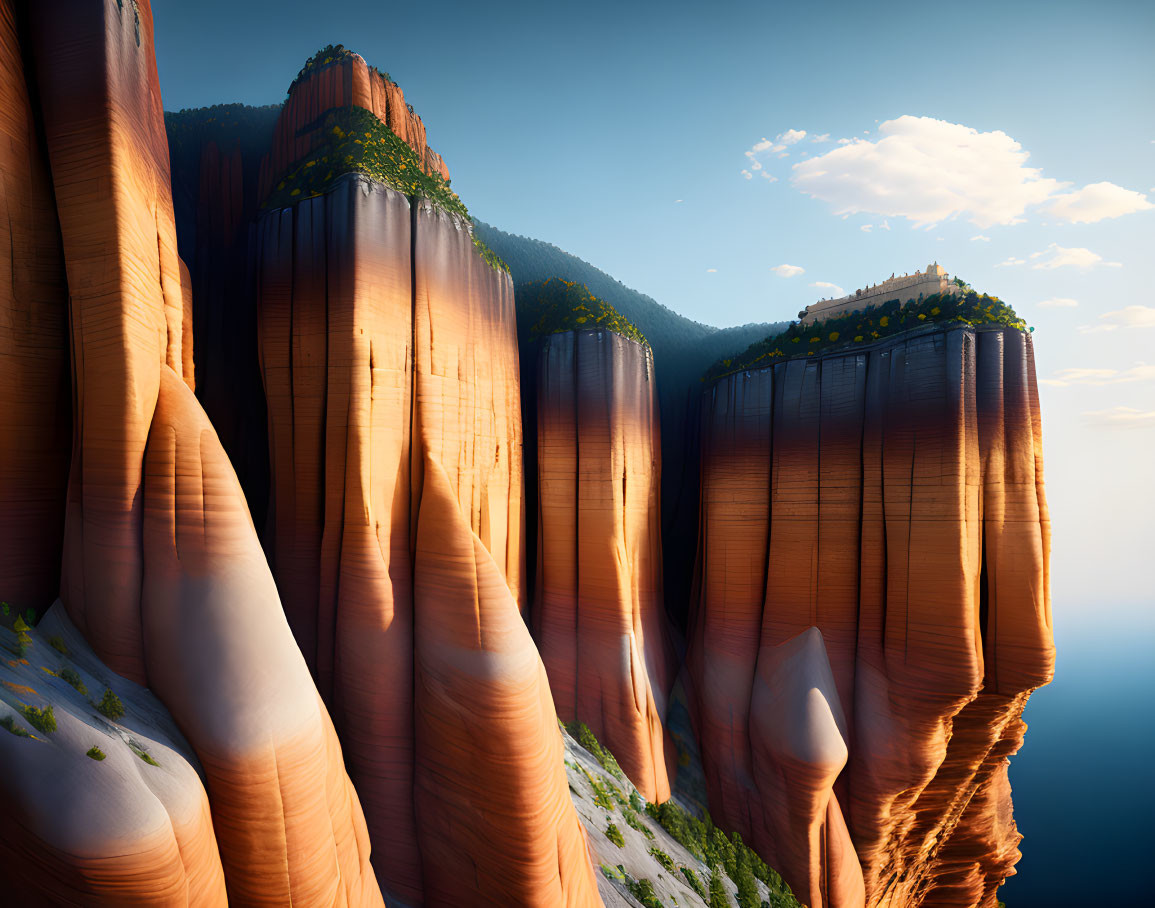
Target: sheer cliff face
(598, 613)
(873, 613)
(395, 531)
(35, 403)
(162, 571)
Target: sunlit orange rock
(163, 573)
(598, 613)
(346, 82)
(890, 502)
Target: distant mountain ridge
(683, 350)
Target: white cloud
(1099, 377)
(1059, 302)
(788, 270)
(1010, 261)
(711, 271)
(1131, 317)
(826, 285)
(928, 170)
(1096, 202)
(1122, 418)
(1056, 256)
(792, 136)
(747, 175)
(755, 165)
(845, 141)
(980, 239)
(866, 228)
(1096, 329)
(825, 137)
(676, 201)
(767, 176)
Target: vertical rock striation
(34, 391)
(873, 612)
(598, 612)
(162, 571)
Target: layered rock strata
(395, 531)
(873, 611)
(598, 612)
(162, 571)
(348, 81)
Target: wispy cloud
(1097, 202)
(1099, 377)
(826, 285)
(980, 239)
(1122, 418)
(1131, 317)
(867, 228)
(825, 137)
(767, 176)
(1059, 302)
(1010, 261)
(788, 270)
(747, 175)
(711, 271)
(1056, 256)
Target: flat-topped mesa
(905, 288)
(873, 603)
(335, 78)
(598, 615)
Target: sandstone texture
(873, 612)
(598, 613)
(98, 810)
(346, 82)
(163, 574)
(395, 532)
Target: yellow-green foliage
(559, 305)
(72, 676)
(57, 643)
(96, 753)
(110, 706)
(327, 56)
(581, 733)
(43, 720)
(615, 835)
(8, 723)
(356, 141)
(858, 329)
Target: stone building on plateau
(905, 288)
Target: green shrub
(559, 305)
(96, 753)
(662, 858)
(147, 759)
(110, 706)
(8, 723)
(72, 676)
(633, 820)
(856, 329)
(57, 643)
(615, 835)
(611, 873)
(636, 802)
(643, 891)
(43, 720)
(718, 891)
(23, 639)
(695, 883)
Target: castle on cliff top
(906, 288)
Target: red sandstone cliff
(389, 353)
(348, 81)
(162, 571)
(598, 612)
(873, 612)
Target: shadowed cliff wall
(873, 611)
(598, 614)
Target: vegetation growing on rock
(43, 720)
(581, 733)
(857, 329)
(72, 676)
(615, 835)
(9, 724)
(110, 705)
(557, 305)
(356, 141)
(95, 753)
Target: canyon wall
(395, 532)
(162, 571)
(872, 612)
(598, 612)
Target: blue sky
(620, 132)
